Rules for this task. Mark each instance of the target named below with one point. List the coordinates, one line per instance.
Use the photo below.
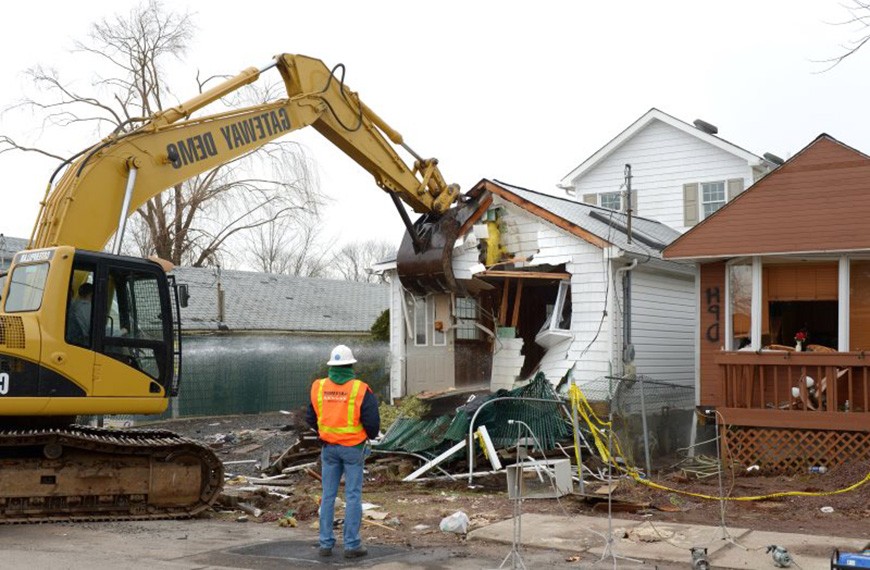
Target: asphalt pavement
(540, 541)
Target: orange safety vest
(338, 410)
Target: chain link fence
(249, 374)
(652, 420)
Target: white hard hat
(341, 355)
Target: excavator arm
(108, 181)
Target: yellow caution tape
(597, 427)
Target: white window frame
(701, 202)
(725, 308)
(416, 301)
(552, 323)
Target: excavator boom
(115, 177)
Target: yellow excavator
(89, 332)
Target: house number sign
(713, 307)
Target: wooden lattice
(790, 451)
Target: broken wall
(543, 245)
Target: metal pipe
(575, 424)
(645, 430)
(125, 206)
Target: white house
(679, 173)
(557, 285)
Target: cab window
(26, 286)
(134, 330)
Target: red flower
(800, 336)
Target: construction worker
(344, 411)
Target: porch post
(843, 305)
(755, 325)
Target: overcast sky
(518, 91)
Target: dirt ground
(409, 514)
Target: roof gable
(817, 202)
(650, 116)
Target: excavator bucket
(425, 258)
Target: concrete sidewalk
(661, 542)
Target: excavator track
(83, 473)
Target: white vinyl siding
(663, 159)
(663, 326)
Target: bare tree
(353, 261)
(288, 249)
(859, 16)
(198, 221)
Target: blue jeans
(335, 460)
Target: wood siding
(662, 159)
(817, 201)
(663, 326)
(712, 314)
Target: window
(439, 337)
(800, 297)
(611, 200)
(740, 299)
(859, 305)
(420, 325)
(712, 196)
(134, 327)
(467, 312)
(80, 310)
(559, 313)
(26, 285)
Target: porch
(788, 411)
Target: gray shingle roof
(649, 237)
(9, 246)
(267, 302)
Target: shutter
(591, 199)
(634, 202)
(690, 204)
(735, 187)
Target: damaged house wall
(527, 237)
(546, 274)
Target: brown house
(784, 306)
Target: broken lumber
(426, 467)
(295, 468)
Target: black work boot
(356, 552)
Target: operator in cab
(344, 411)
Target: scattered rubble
(273, 475)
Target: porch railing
(795, 389)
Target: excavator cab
(121, 308)
(81, 323)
